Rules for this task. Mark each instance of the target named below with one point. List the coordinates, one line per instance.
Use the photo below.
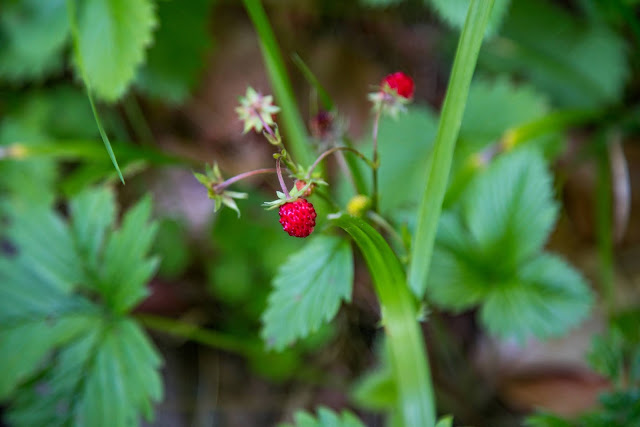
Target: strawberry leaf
(579, 65)
(72, 354)
(32, 36)
(308, 290)
(488, 253)
(326, 418)
(113, 36)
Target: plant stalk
(448, 128)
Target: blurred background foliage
(562, 76)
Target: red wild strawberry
(309, 191)
(298, 218)
(400, 83)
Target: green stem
(376, 126)
(399, 317)
(448, 128)
(293, 125)
(604, 222)
(195, 333)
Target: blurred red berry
(399, 82)
(298, 218)
(321, 124)
(300, 185)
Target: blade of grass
(325, 99)
(293, 126)
(400, 319)
(448, 128)
(71, 11)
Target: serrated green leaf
(579, 64)
(488, 254)
(509, 210)
(326, 418)
(308, 290)
(32, 37)
(176, 59)
(113, 36)
(93, 212)
(454, 13)
(125, 268)
(547, 299)
(71, 361)
(106, 377)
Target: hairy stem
(333, 150)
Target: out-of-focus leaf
(32, 36)
(70, 360)
(105, 377)
(172, 246)
(376, 390)
(547, 298)
(488, 253)
(326, 418)
(308, 290)
(579, 65)
(454, 13)
(113, 36)
(402, 142)
(176, 59)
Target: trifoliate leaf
(454, 13)
(32, 36)
(308, 290)
(326, 418)
(578, 63)
(546, 299)
(70, 360)
(177, 56)
(113, 36)
(488, 253)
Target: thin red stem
(279, 172)
(219, 187)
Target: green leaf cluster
(308, 290)
(70, 354)
(578, 63)
(489, 253)
(326, 418)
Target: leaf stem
(219, 187)
(399, 317)
(440, 162)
